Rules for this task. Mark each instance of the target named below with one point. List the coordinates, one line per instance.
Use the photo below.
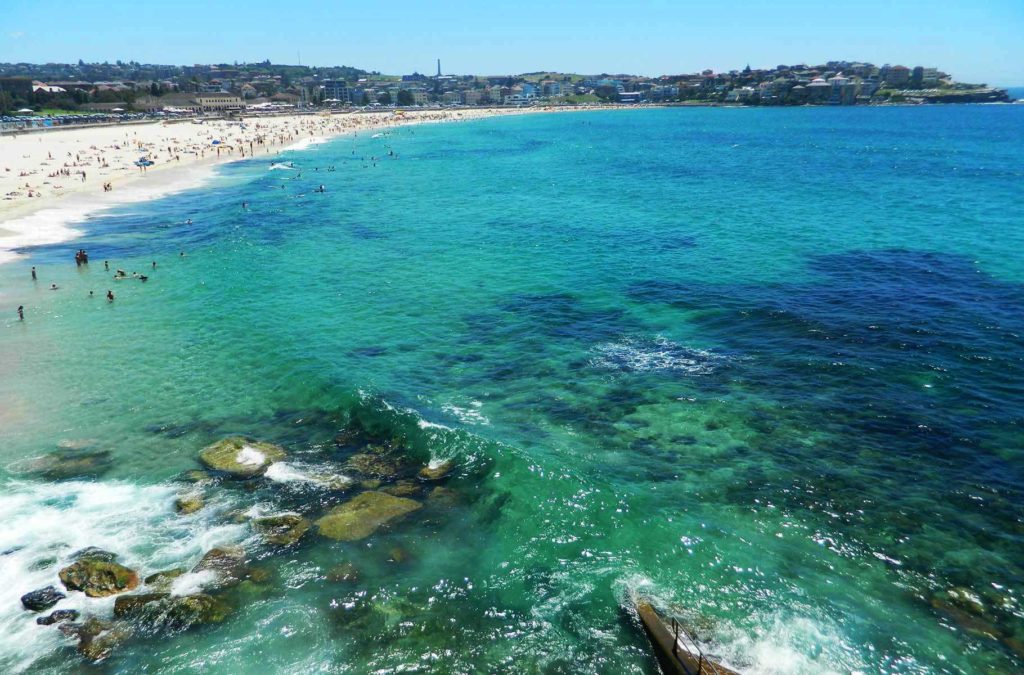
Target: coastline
(184, 158)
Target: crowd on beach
(39, 166)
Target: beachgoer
(154, 264)
(53, 287)
(21, 312)
(106, 265)
(33, 274)
(90, 294)
(110, 296)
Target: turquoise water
(763, 367)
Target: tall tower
(439, 67)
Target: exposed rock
(89, 628)
(43, 599)
(283, 530)
(127, 605)
(373, 465)
(97, 578)
(58, 616)
(362, 515)
(403, 488)
(241, 457)
(227, 561)
(162, 580)
(160, 611)
(93, 553)
(343, 573)
(370, 484)
(436, 471)
(188, 504)
(99, 647)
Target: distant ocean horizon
(761, 367)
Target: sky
(973, 40)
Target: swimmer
(106, 265)
(110, 296)
(53, 287)
(154, 264)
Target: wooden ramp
(676, 650)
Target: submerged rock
(160, 611)
(283, 530)
(443, 497)
(374, 465)
(43, 599)
(436, 471)
(967, 622)
(227, 562)
(96, 638)
(98, 578)
(187, 504)
(403, 488)
(344, 573)
(68, 464)
(162, 580)
(59, 616)
(241, 457)
(196, 476)
(93, 553)
(397, 554)
(363, 515)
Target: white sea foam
(250, 456)
(469, 414)
(193, 582)
(654, 354)
(284, 472)
(45, 523)
(306, 143)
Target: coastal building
(336, 90)
(631, 97)
(210, 102)
(897, 76)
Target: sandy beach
(51, 179)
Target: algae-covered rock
(127, 605)
(228, 562)
(283, 530)
(160, 611)
(241, 457)
(196, 476)
(346, 573)
(362, 515)
(436, 471)
(443, 497)
(98, 578)
(162, 580)
(187, 504)
(97, 638)
(43, 599)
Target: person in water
(154, 264)
(33, 273)
(106, 265)
(53, 287)
(110, 296)
(21, 312)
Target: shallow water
(762, 366)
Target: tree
(154, 89)
(606, 92)
(405, 97)
(385, 98)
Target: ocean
(764, 367)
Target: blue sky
(975, 40)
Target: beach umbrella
(117, 110)
(216, 143)
(26, 110)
